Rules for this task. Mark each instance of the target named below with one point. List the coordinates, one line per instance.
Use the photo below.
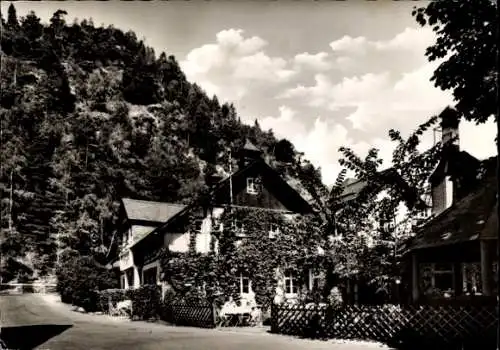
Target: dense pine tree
(90, 114)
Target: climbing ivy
(244, 246)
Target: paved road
(71, 330)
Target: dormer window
(252, 186)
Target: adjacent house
(139, 218)
(150, 226)
(454, 253)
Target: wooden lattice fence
(439, 326)
(193, 315)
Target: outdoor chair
(255, 316)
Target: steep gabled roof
(471, 218)
(282, 186)
(285, 193)
(157, 212)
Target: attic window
(253, 187)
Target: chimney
(450, 120)
(443, 183)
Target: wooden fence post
(273, 318)
(214, 314)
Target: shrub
(146, 302)
(113, 295)
(79, 280)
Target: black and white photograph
(249, 174)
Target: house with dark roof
(138, 219)
(149, 226)
(453, 255)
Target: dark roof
(472, 218)
(285, 193)
(351, 188)
(388, 177)
(281, 185)
(159, 212)
(249, 146)
(455, 163)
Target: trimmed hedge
(79, 280)
(113, 295)
(146, 302)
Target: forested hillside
(91, 114)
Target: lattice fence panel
(189, 315)
(389, 323)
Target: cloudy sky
(323, 74)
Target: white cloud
(259, 66)
(411, 39)
(316, 62)
(379, 101)
(322, 141)
(354, 51)
(349, 44)
(285, 124)
(232, 62)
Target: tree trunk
(14, 79)
(498, 221)
(11, 199)
(86, 153)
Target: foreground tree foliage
(467, 42)
(374, 226)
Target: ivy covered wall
(245, 247)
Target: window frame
(241, 278)
(238, 229)
(472, 269)
(290, 280)
(314, 274)
(273, 234)
(440, 272)
(198, 228)
(156, 266)
(252, 186)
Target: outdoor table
(237, 316)
(237, 319)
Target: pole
(498, 227)
(497, 34)
(230, 180)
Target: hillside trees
(89, 115)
